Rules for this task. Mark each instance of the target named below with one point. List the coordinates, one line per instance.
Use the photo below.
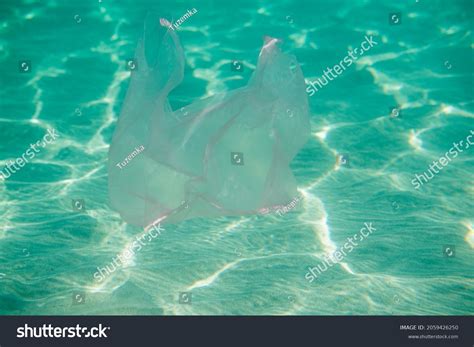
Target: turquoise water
(56, 226)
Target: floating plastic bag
(225, 155)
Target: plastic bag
(225, 155)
